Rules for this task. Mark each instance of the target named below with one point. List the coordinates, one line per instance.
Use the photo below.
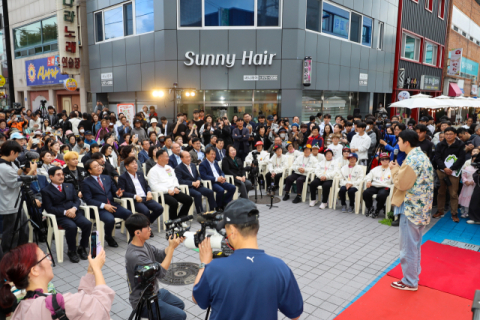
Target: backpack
(54, 303)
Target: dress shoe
(369, 211)
(396, 223)
(72, 255)
(455, 218)
(375, 214)
(111, 242)
(438, 215)
(82, 253)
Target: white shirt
(75, 122)
(189, 169)
(162, 179)
(308, 163)
(337, 151)
(353, 176)
(138, 186)
(215, 173)
(362, 143)
(380, 177)
(277, 165)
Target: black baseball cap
(87, 133)
(240, 211)
(426, 119)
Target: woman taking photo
(209, 122)
(295, 137)
(29, 268)
(192, 130)
(232, 165)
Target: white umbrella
(419, 102)
(420, 95)
(442, 97)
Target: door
(67, 104)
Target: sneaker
(344, 208)
(369, 211)
(438, 215)
(396, 223)
(313, 203)
(472, 222)
(286, 197)
(455, 218)
(464, 215)
(402, 286)
(351, 209)
(323, 206)
(297, 199)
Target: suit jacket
(143, 156)
(184, 176)
(172, 162)
(94, 195)
(125, 183)
(223, 152)
(57, 202)
(206, 172)
(230, 168)
(170, 127)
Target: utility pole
(8, 49)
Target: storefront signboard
(455, 62)
(128, 109)
(260, 78)
(307, 71)
(469, 67)
(402, 95)
(363, 79)
(429, 83)
(71, 84)
(43, 71)
(228, 60)
(107, 79)
(68, 37)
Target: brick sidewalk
(333, 255)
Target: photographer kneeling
(139, 252)
(249, 284)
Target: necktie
(101, 185)
(190, 169)
(60, 188)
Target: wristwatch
(201, 265)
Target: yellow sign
(2, 81)
(71, 84)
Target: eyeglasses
(47, 256)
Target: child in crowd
(336, 147)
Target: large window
(380, 35)
(339, 22)
(126, 19)
(411, 47)
(229, 13)
(36, 38)
(430, 55)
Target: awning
(454, 90)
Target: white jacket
(262, 158)
(337, 151)
(320, 157)
(341, 163)
(309, 164)
(353, 175)
(327, 169)
(162, 179)
(294, 154)
(276, 165)
(75, 122)
(380, 178)
(362, 143)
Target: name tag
(169, 172)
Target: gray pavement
(333, 255)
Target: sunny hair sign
(43, 71)
(228, 60)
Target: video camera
(27, 179)
(214, 232)
(253, 169)
(145, 274)
(174, 227)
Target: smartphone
(95, 245)
(136, 135)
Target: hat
(154, 120)
(329, 150)
(68, 132)
(275, 147)
(352, 155)
(17, 135)
(138, 121)
(345, 149)
(295, 125)
(240, 211)
(37, 133)
(316, 146)
(270, 118)
(161, 135)
(426, 119)
(282, 130)
(259, 143)
(88, 133)
(384, 155)
(308, 146)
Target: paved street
(333, 255)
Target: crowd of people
(84, 159)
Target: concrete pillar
(51, 99)
(26, 100)
(83, 100)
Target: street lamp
(158, 93)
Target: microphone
(395, 154)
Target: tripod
(271, 192)
(148, 298)
(26, 196)
(254, 174)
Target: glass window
(144, 16)
(128, 18)
(98, 26)
(267, 13)
(27, 36)
(314, 17)
(430, 53)
(229, 13)
(30, 39)
(367, 32)
(335, 21)
(380, 35)
(355, 27)
(49, 29)
(190, 13)
(113, 23)
(411, 47)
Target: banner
(68, 37)
(43, 71)
(455, 62)
(128, 109)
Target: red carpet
(384, 302)
(447, 269)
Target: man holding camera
(9, 191)
(139, 252)
(249, 284)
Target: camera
(174, 227)
(253, 169)
(27, 179)
(146, 274)
(210, 229)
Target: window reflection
(190, 13)
(335, 21)
(144, 16)
(229, 12)
(267, 13)
(113, 23)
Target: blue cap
(295, 125)
(17, 135)
(352, 155)
(88, 132)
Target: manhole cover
(462, 245)
(181, 274)
(264, 200)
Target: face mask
(162, 140)
(282, 135)
(82, 131)
(368, 128)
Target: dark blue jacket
(172, 162)
(143, 156)
(94, 195)
(241, 137)
(206, 172)
(184, 176)
(125, 183)
(57, 202)
(217, 157)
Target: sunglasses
(47, 256)
(385, 159)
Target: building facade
(34, 27)
(420, 50)
(285, 57)
(464, 44)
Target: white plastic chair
(332, 191)
(53, 229)
(305, 185)
(358, 194)
(230, 179)
(144, 168)
(388, 203)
